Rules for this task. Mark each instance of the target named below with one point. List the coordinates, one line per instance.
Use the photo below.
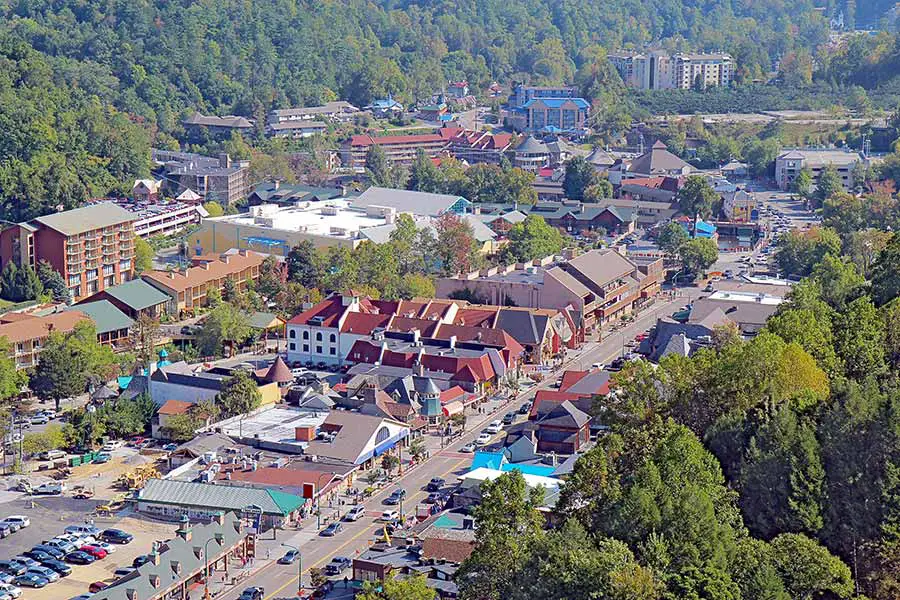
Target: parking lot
(51, 515)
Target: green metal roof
(219, 496)
(261, 320)
(137, 294)
(105, 315)
(288, 503)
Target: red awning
(452, 408)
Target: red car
(95, 551)
(97, 586)
(136, 442)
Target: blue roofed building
(552, 111)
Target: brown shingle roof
(174, 407)
(196, 276)
(40, 327)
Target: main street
(280, 581)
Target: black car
(53, 552)
(13, 567)
(79, 558)
(57, 565)
(435, 484)
(508, 418)
(39, 555)
(616, 365)
(142, 559)
(252, 593)
(435, 498)
(524, 409)
(332, 530)
(116, 536)
(338, 565)
(395, 497)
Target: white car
(495, 426)
(468, 448)
(355, 513)
(483, 438)
(390, 515)
(50, 488)
(39, 420)
(10, 590)
(112, 445)
(105, 545)
(19, 520)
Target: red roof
(329, 309)
(426, 327)
(174, 407)
(452, 394)
(364, 323)
(388, 140)
(554, 396)
(483, 335)
(570, 378)
(476, 317)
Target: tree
(20, 283)
(68, 361)
(413, 285)
(303, 264)
(509, 525)
(50, 439)
(411, 588)
(453, 246)
(598, 191)
(53, 282)
(580, 175)
(838, 279)
(802, 183)
(378, 167)
(239, 395)
(808, 569)
(225, 324)
(213, 208)
(145, 335)
(886, 273)
(698, 254)
(532, 238)
(424, 176)
(828, 185)
(181, 428)
(12, 380)
(272, 277)
(389, 462)
(672, 237)
(859, 339)
(143, 255)
(696, 197)
(798, 252)
(811, 330)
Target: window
(91, 274)
(319, 336)
(293, 346)
(332, 338)
(332, 351)
(306, 347)
(109, 269)
(20, 347)
(318, 349)
(305, 335)
(292, 334)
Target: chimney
(304, 434)
(452, 342)
(155, 556)
(417, 335)
(224, 160)
(420, 369)
(184, 531)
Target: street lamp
(218, 538)
(299, 568)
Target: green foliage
(696, 197)
(411, 588)
(181, 428)
(213, 208)
(302, 264)
(828, 185)
(798, 252)
(859, 339)
(809, 570)
(225, 324)
(580, 175)
(698, 254)
(672, 237)
(50, 439)
(532, 238)
(53, 282)
(600, 190)
(381, 171)
(20, 283)
(886, 273)
(272, 278)
(143, 255)
(802, 183)
(239, 395)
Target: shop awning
(452, 408)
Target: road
(280, 581)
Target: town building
(601, 285)
(661, 189)
(577, 217)
(789, 164)
(386, 561)
(657, 162)
(146, 190)
(287, 194)
(161, 218)
(531, 155)
(92, 247)
(199, 127)
(693, 71)
(415, 203)
(338, 111)
(296, 130)
(27, 334)
(523, 94)
(172, 499)
(219, 179)
(658, 70)
(479, 146)
(385, 108)
(185, 560)
(165, 381)
(740, 206)
(188, 288)
(135, 298)
(468, 145)
(112, 325)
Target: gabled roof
(228, 264)
(657, 160)
(363, 323)
(33, 328)
(601, 266)
(600, 157)
(564, 414)
(175, 407)
(426, 327)
(417, 203)
(87, 218)
(218, 497)
(330, 310)
(105, 315)
(589, 383)
(230, 121)
(137, 294)
(477, 317)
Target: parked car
(45, 572)
(338, 565)
(468, 448)
(39, 555)
(13, 567)
(59, 566)
(6, 530)
(26, 560)
(50, 550)
(116, 536)
(102, 458)
(50, 489)
(51, 455)
(79, 557)
(483, 438)
(97, 586)
(355, 513)
(112, 445)
(170, 447)
(30, 580)
(39, 420)
(96, 551)
(10, 590)
(289, 557)
(434, 498)
(82, 530)
(253, 593)
(495, 427)
(141, 559)
(123, 571)
(435, 484)
(19, 521)
(105, 546)
(332, 530)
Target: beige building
(27, 334)
(658, 70)
(789, 164)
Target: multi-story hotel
(91, 247)
(657, 70)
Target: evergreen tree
(53, 282)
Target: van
(83, 530)
(52, 455)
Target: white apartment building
(789, 164)
(657, 70)
(711, 69)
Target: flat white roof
(747, 297)
(484, 473)
(275, 425)
(332, 218)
